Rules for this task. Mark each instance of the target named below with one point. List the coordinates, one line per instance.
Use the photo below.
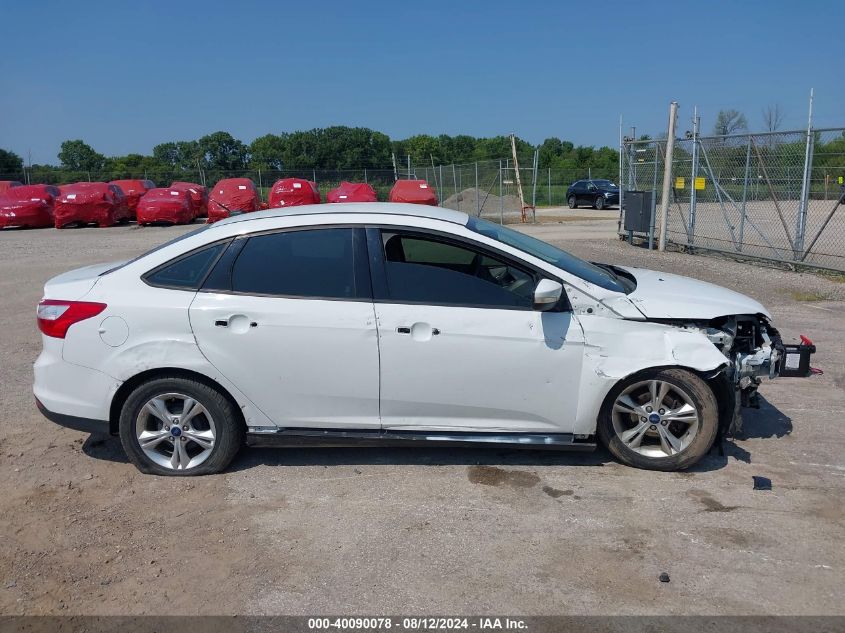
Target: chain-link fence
(489, 188)
(775, 196)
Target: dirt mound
(491, 205)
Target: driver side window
(425, 269)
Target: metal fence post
(501, 198)
(550, 186)
(801, 228)
(477, 193)
(693, 192)
(744, 195)
(621, 221)
(455, 186)
(653, 199)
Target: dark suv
(597, 193)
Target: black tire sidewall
(704, 401)
(599, 203)
(228, 426)
(573, 202)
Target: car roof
(385, 208)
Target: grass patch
(801, 295)
(832, 275)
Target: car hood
(665, 296)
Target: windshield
(158, 248)
(605, 184)
(551, 254)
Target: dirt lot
(306, 531)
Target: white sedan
(390, 323)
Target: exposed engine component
(753, 348)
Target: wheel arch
(129, 386)
(715, 380)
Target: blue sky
(125, 76)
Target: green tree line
(332, 148)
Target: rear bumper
(86, 425)
(69, 390)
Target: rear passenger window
(187, 272)
(313, 263)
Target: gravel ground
(305, 531)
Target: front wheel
(600, 203)
(662, 419)
(179, 426)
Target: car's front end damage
(753, 349)
(666, 320)
(737, 325)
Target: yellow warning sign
(680, 182)
(699, 184)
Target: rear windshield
(601, 277)
(158, 248)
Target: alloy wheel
(655, 418)
(175, 431)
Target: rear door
(462, 348)
(287, 316)
(581, 192)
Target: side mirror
(547, 294)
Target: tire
(573, 202)
(599, 203)
(646, 446)
(210, 436)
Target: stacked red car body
(414, 192)
(232, 196)
(90, 203)
(198, 195)
(134, 190)
(292, 192)
(166, 205)
(352, 192)
(29, 206)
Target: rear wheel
(664, 419)
(573, 202)
(178, 426)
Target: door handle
(237, 323)
(404, 329)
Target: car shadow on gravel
(766, 422)
(415, 456)
(104, 447)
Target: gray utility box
(638, 207)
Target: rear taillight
(56, 316)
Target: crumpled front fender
(616, 348)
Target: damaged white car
(402, 324)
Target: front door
(288, 318)
(461, 347)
